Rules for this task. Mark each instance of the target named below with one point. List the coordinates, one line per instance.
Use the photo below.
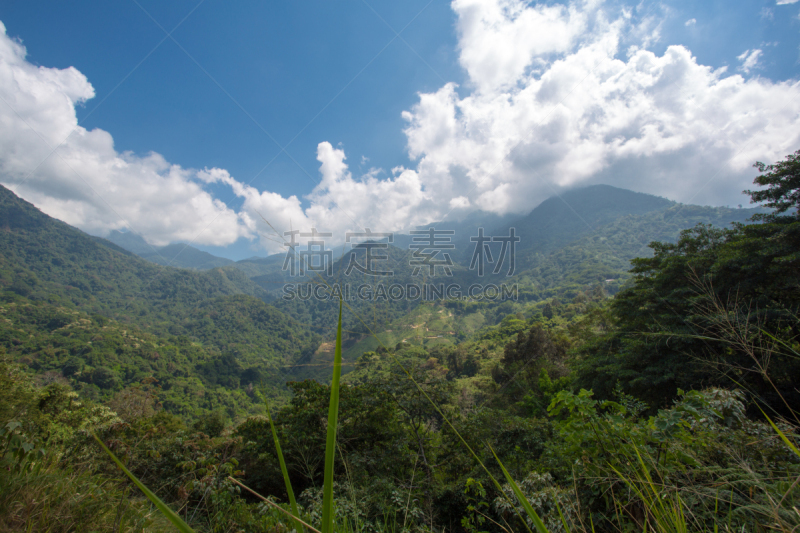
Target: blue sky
(330, 83)
(284, 62)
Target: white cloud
(662, 124)
(338, 204)
(690, 22)
(460, 202)
(749, 59)
(785, 2)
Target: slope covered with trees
(641, 410)
(53, 277)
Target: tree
(783, 182)
(665, 337)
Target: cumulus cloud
(339, 203)
(568, 110)
(690, 22)
(556, 96)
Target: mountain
(175, 255)
(266, 272)
(563, 219)
(603, 256)
(130, 241)
(583, 238)
(462, 230)
(45, 260)
(214, 330)
(185, 256)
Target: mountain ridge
(179, 255)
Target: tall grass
(171, 515)
(284, 470)
(56, 498)
(664, 512)
(330, 444)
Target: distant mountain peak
(178, 255)
(566, 217)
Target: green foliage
(103, 358)
(452, 397)
(476, 508)
(782, 180)
(530, 513)
(707, 285)
(45, 483)
(548, 506)
(701, 462)
(179, 524)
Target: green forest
(645, 379)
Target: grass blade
(563, 520)
(540, 527)
(667, 512)
(176, 520)
(284, 470)
(781, 434)
(330, 444)
(273, 505)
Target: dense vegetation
(635, 404)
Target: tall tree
(675, 324)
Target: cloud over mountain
(572, 107)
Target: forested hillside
(627, 388)
(67, 277)
(46, 259)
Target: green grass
(284, 470)
(171, 515)
(330, 444)
(56, 499)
